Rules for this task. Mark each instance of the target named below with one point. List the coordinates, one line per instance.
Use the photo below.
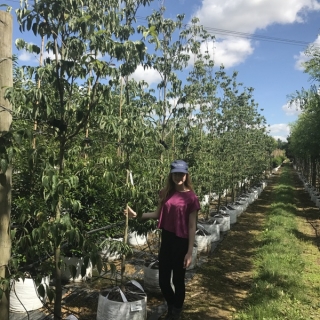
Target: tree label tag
(136, 306)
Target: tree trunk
(57, 251)
(58, 286)
(5, 177)
(314, 172)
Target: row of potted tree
(87, 139)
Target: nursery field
(223, 285)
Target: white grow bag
(136, 240)
(194, 258)
(77, 262)
(24, 295)
(108, 254)
(235, 208)
(314, 196)
(151, 277)
(247, 198)
(232, 213)
(253, 196)
(239, 207)
(203, 240)
(212, 227)
(224, 220)
(318, 202)
(243, 203)
(125, 310)
(206, 200)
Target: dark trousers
(171, 256)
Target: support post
(5, 177)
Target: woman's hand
(128, 211)
(187, 260)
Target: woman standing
(177, 213)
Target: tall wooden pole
(5, 177)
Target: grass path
(267, 267)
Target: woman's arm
(192, 235)
(147, 215)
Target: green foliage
(277, 161)
(303, 143)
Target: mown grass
(286, 282)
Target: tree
(75, 86)
(6, 152)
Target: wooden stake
(6, 80)
(125, 236)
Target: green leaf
(35, 28)
(29, 22)
(99, 264)
(41, 290)
(50, 294)
(113, 269)
(3, 165)
(13, 233)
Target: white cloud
(280, 127)
(281, 138)
(148, 75)
(250, 15)
(50, 55)
(231, 52)
(292, 109)
(35, 58)
(302, 57)
(228, 51)
(279, 131)
(27, 56)
(224, 18)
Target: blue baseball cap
(179, 166)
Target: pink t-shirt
(174, 214)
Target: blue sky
(272, 68)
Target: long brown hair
(170, 187)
